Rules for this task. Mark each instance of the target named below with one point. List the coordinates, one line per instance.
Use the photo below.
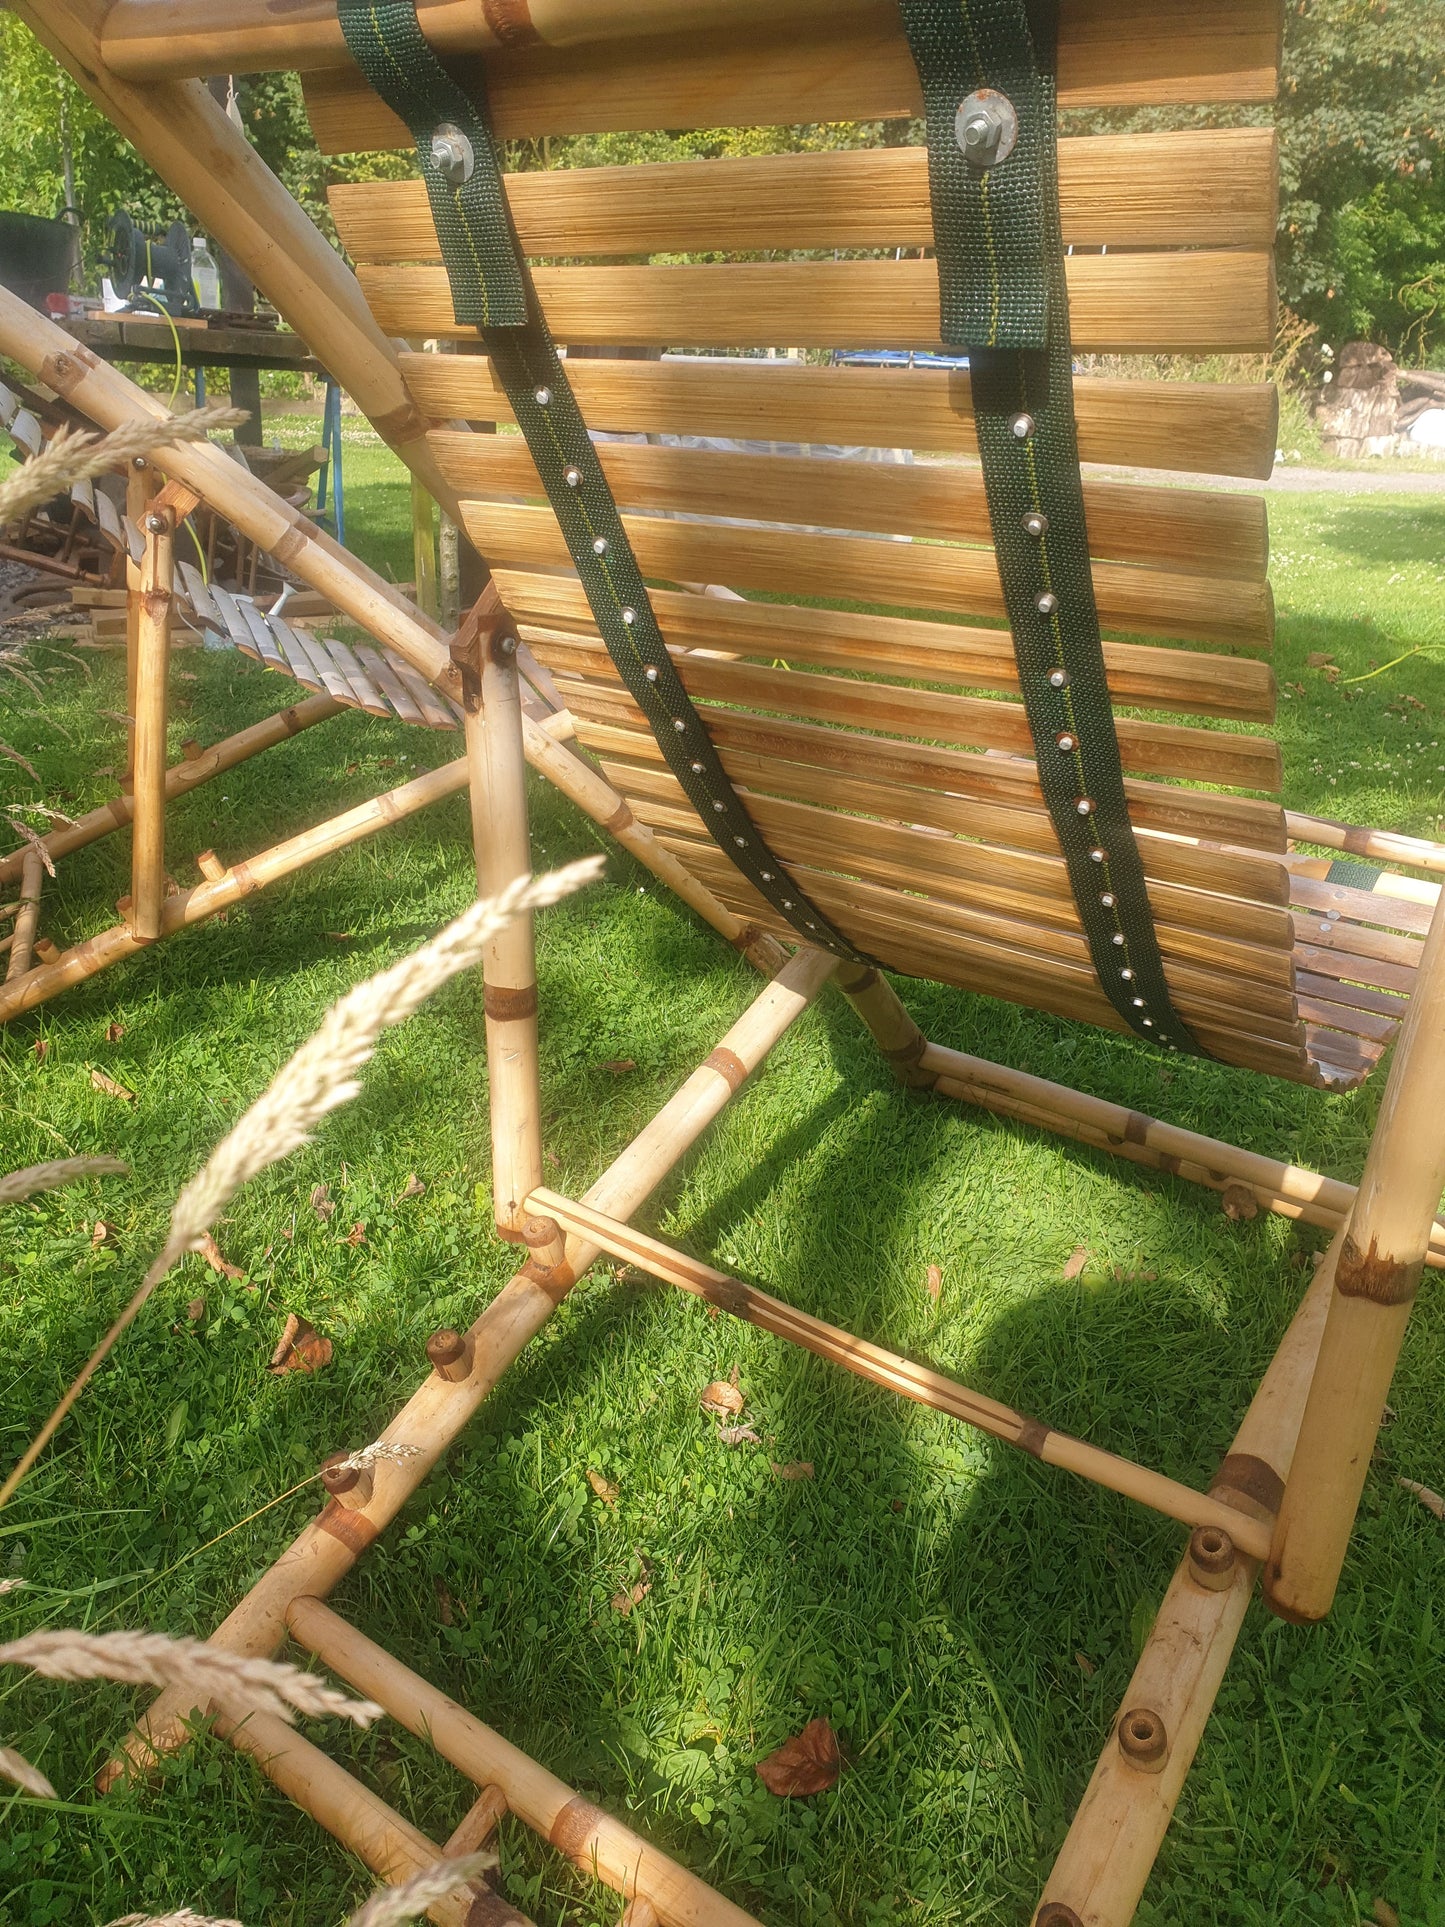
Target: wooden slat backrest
(881, 744)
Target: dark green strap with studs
(486, 267)
(987, 70)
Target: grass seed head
(15, 1767)
(49, 1177)
(389, 1905)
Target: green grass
(928, 1591)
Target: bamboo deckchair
(871, 812)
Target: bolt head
(986, 128)
(507, 646)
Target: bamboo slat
(1233, 687)
(1209, 428)
(1204, 188)
(1112, 53)
(900, 575)
(1187, 531)
(974, 722)
(1212, 301)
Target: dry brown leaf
(619, 1066)
(413, 1187)
(1085, 1665)
(737, 1435)
(207, 1248)
(446, 1605)
(356, 1236)
(1240, 1203)
(1077, 1259)
(321, 1202)
(1383, 1914)
(340, 936)
(101, 1233)
(302, 1348)
(934, 1281)
(1317, 659)
(100, 1082)
(114, 1033)
(798, 1469)
(196, 1309)
(725, 1400)
(624, 1601)
(41, 1048)
(808, 1763)
(1432, 1501)
(606, 1491)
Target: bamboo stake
(150, 707)
(590, 1838)
(27, 917)
(141, 483)
(181, 778)
(901, 1375)
(207, 899)
(1104, 1863)
(1375, 1282)
(509, 965)
(881, 1009)
(1286, 1188)
(325, 1550)
(392, 1848)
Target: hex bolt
(452, 154)
(986, 128)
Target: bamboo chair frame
(1280, 1503)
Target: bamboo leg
(1104, 1862)
(181, 778)
(392, 1848)
(149, 706)
(141, 483)
(437, 1412)
(27, 917)
(898, 1037)
(902, 1375)
(424, 550)
(206, 899)
(590, 1838)
(1286, 1188)
(498, 769)
(1375, 1280)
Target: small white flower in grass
(232, 1681)
(392, 1904)
(15, 1767)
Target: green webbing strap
(390, 50)
(1002, 297)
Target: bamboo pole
(424, 550)
(181, 778)
(241, 880)
(894, 1031)
(1104, 1863)
(327, 1548)
(1385, 845)
(27, 917)
(1375, 1281)
(1285, 1188)
(391, 1847)
(498, 768)
(591, 1839)
(141, 483)
(150, 707)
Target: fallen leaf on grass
(340, 936)
(934, 1282)
(1077, 1259)
(808, 1763)
(1085, 1665)
(101, 1233)
(630, 1596)
(100, 1082)
(1432, 1501)
(798, 1469)
(321, 1202)
(196, 1310)
(356, 1236)
(1383, 1914)
(737, 1435)
(211, 1252)
(1240, 1203)
(446, 1605)
(41, 1048)
(606, 1491)
(413, 1187)
(619, 1066)
(1317, 659)
(302, 1348)
(114, 1033)
(721, 1398)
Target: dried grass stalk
(320, 1077)
(370, 1455)
(184, 1917)
(49, 1177)
(14, 1766)
(412, 1897)
(72, 456)
(229, 1680)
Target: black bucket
(36, 256)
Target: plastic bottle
(205, 274)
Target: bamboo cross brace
(27, 917)
(326, 1549)
(590, 1838)
(902, 1375)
